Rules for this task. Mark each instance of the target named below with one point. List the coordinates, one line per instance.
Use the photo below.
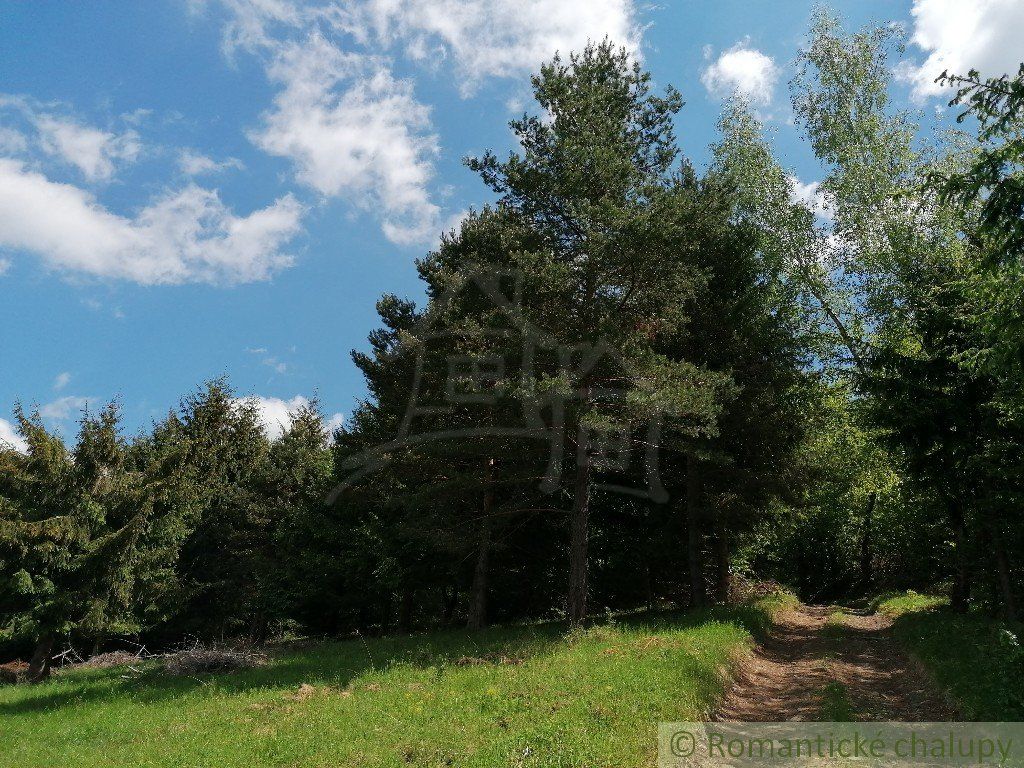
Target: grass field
(527, 696)
(979, 660)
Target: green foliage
(923, 331)
(994, 177)
(977, 659)
(78, 530)
(182, 530)
(603, 248)
(247, 498)
(618, 228)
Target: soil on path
(818, 653)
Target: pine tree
(597, 182)
(76, 535)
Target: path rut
(814, 650)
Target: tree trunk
(478, 599)
(962, 586)
(579, 535)
(721, 560)
(451, 600)
(803, 587)
(866, 573)
(1005, 584)
(994, 542)
(405, 610)
(649, 586)
(387, 605)
(698, 588)
(39, 666)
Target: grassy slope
(590, 699)
(979, 660)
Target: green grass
(529, 696)
(835, 704)
(835, 626)
(899, 603)
(977, 659)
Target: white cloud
(743, 70)
(5, 264)
(960, 35)
(62, 380)
(351, 128)
(64, 408)
(496, 38)
(9, 437)
(184, 236)
(369, 142)
(812, 197)
(94, 152)
(484, 38)
(334, 423)
(12, 142)
(139, 116)
(192, 163)
(275, 414)
(252, 21)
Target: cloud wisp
(193, 163)
(96, 153)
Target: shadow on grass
(338, 663)
(835, 704)
(330, 663)
(978, 659)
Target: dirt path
(824, 663)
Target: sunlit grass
(896, 604)
(526, 696)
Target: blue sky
(191, 188)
